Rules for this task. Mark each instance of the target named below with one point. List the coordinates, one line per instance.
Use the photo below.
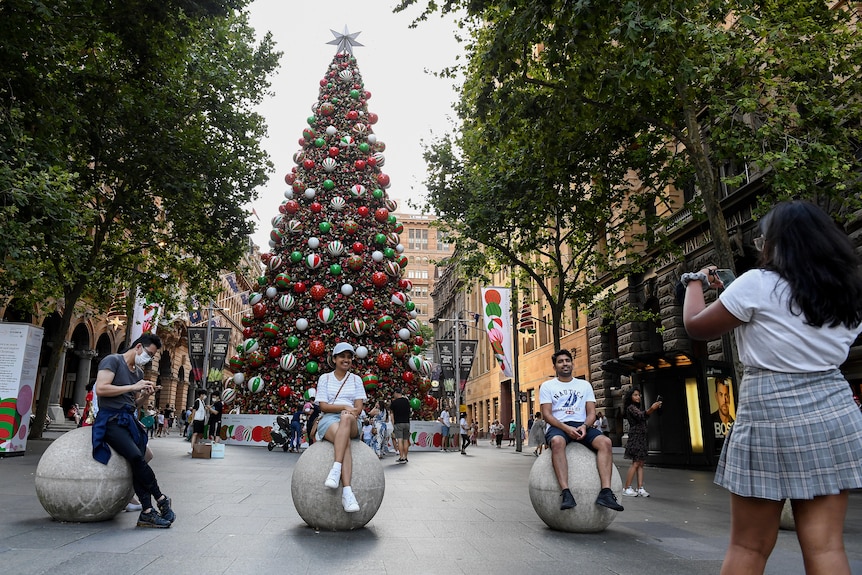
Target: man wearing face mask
(121, 388)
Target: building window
(418, 239)
(442, 241)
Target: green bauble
(392, 220)
(262, 281)
(409, 306)
(415, 403)
(325, 227)
(319, 142)
(377, 193)
(334, 100)
(389, 253)
(380, 239)
(312, 367)
(328, 185)
(312, 120)
(296, 257)
(292, 342)
(364, 147)
(335, 269)
(354, 94)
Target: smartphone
(658, 398)
(726, 276)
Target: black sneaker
(607, 499)
(153, 519)
(568, 500)
(165, 509)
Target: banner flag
(145, 318)
(231, 281)
(197, 350)
(466, 354)
(219, 348)
(526, 324)
(446, 357)
(497, 314)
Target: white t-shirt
(463, 423)
(444, 418)
(772, 337)
(328, 385)
(568, 399)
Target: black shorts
(197, 426)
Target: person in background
(444, 429)
(296, 427)
(465, 433)
(200, 410)
(797, 431)
(400, 408)
(512, 433)
(637, 447)
(216, 411)
(537, 434)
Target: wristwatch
(692, 276)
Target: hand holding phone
(726, 276)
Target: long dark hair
(627, 400)
(803, 245)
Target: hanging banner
(497, 315)
(466, 353)
(145, 318)
(197, 351)
(20, 346)
(218, 350)
(446, 356)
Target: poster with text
(20, 345)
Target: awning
(645, 362)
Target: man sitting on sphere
(569, 410)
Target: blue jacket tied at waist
(125, 417)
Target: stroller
(280, 433)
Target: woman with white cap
(341, 396)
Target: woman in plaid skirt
(797, 431)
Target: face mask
(143, 359)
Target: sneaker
(332, 478)
(629, 492)
(165, 509)
(568, 500)
(133, 507)
(152, 519)
(348, 500)
(643, 492)
(607, 499)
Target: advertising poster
(722, 408)
(20, 345)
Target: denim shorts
(592, 434)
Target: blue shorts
(587, 440)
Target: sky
(413, 105)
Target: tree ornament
(404, 333)
(324, 227)
(255, 298)
(273, 352)
(409, 306)
(335, 269)
(302, 324)
(282, 281)
(295, 257)
(256, 384)
(398, 298)
(414, 326)
(317, 292)
(312, 367)
(378, 256)
(228, 395)
(368, 304)
(270, 329)
(312, 261)
(361, 352)
(351, 227)
(316, 347)
(292, 341)
(288, 362)
(379, 279)
(380, 239)
(363, 211)
(255, 359)
(357, 191)
(355, 263)
(346, 289)
(284, 391)
(357, 327)
(326, 315)
(286, 302)
(381, 214)
(370, 381)
(415, 403)
(271, 292)
(315, 207)
(384, 323)
(258, 310)
(383, 181)
(329, 164)
(338, 203)
(239, 378)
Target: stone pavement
(442, 513)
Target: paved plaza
(443, 513)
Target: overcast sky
(395, 65)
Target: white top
(327, 388)
(772, 337)
(568, 399)
(463, 423)
(444, 417)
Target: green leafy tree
(129, 148)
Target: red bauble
(323, 82)
(368, 304)
(384, 361)
(316, 347)
(265, 257)
(405, 284)
(308, 164)
(289, 179)
(383, 180)
(282, 209)
(316, 207)
(274, 351)
(358, 247)
(301, 142)
(292, 206)
(247, 332)
(333, 151)
(372, 118)
(379, 279)
(299, 287)
(359, 164)
(352, 115)
(284, 391)
(318, 292)
(418, 340)
(408, 376)
(381, 214)
(259, 309)
(363, 211)
(366, 94)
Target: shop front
(698, 405)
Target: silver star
(345, 41)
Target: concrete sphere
(787, 521)
(319, 506)
(72, 486)
(584, 483)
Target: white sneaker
(348, 500)
(332, 478)
(629, 492)
(643, 492)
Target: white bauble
(404, 333)
(361, 352)
(372, 138)
(347, 289)
(271, 243)
(271, 292)
(331, 130)
(239, 378)
(309, 193)
(377, 256)
(288, 193)
(399, 248)
(414, 314)
(302, 324)
(313, 243)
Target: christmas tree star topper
(345, 41)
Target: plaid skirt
(796, 436)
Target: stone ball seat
(72, 486)
(319, 506)
(584, 483)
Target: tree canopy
(129, 147)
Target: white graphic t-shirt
(568, 399)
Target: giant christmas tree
(335, 265)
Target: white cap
(342, 347)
